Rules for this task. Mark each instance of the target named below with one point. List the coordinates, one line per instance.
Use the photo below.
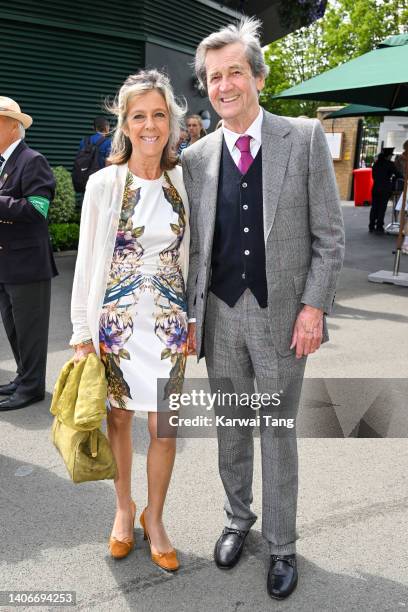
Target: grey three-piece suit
(304, 245)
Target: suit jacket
(25, 249)
(303, 224)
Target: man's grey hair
(245, 31)
(21, 130)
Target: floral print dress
(143, 324)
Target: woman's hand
(191, 339)
(81, 351)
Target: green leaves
(166, 353)
(124, 354)
(64, 236)
(62, 208)
(175, 228)
(348, 29)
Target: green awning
(377, 78)
(361, 110)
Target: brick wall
(344, 167)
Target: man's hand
(308, 331)
(191, 339)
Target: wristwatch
(81, 344)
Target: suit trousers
(239, 349)
(25, 311)
(380, 199)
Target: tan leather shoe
(119, 549)
(167, 560)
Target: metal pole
(400, 238)
(397, 262)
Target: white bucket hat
(10, 108)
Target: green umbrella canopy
(378, 78)
(360, 110)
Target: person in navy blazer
(27, 187)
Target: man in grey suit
(267, 245)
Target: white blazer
(101, 210)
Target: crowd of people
(227, 245)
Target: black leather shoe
(8, 389)
(282, 576)
(16, 401)
(228, 547)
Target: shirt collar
(8, 152)
(254, 131)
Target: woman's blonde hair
(136, 85)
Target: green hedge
(64, 236)
(63, 215)
(62, 209)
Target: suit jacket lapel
(276, 148)
(11, 164)
(209, 170)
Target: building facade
(61, 61)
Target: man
(267, 246)
(92, 154)
(27, 265)
(101, 135)
(182, 141)
(384, 170)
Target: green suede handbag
(79, 407)
(86, 454)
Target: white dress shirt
(254, 131)
(7, 153)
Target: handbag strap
(94, 442)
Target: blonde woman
(128, 300)
(195, 129)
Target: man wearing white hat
(27, 186)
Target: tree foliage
(348, 29)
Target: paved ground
(353, 492)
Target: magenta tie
(246, 158)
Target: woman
(195, 129)
(128, 301)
